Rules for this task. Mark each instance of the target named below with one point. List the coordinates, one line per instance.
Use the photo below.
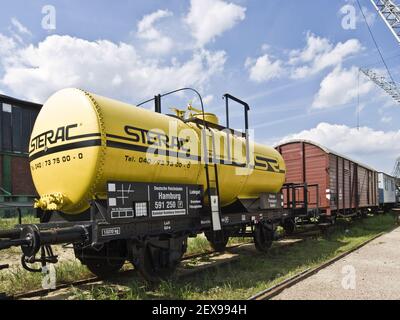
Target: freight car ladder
(212, 181)
(212, 175)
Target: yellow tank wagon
(81, 141)
(121, 182)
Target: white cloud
(116, 70)
(157, 42)
(146, 25)
(319, 54)
(160, 46)
(208, 99)
(20, 27)
(263, 68)
(6, 45)
(353, 142)
(265, 47)
(208, 19)
(340, 87)
(315, 46)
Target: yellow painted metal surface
(81, 140)
(209, 117)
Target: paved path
(376, 267)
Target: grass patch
(9, 223)
(254, 273)
(200, 244)
(17, 279)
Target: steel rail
(127, 272)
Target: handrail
(246, 107)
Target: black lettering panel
(135, 201)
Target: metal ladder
(212, 182)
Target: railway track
(301, 236)
(287, 283)
(123, 274)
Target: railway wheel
(218, 240)
(364, 213)
(104, 269)
(263, 237)
(289, 226)
(105, 262)
(158, 260)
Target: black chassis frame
(94, 221)
(92, 229)
(99, 231)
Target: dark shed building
(17, 118)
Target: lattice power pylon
(396, 169)
(390, 87)
(390, 13)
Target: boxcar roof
(386, 174)
(19, 102)
(325, 149)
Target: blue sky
(291, 60)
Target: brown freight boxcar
(344, 186)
